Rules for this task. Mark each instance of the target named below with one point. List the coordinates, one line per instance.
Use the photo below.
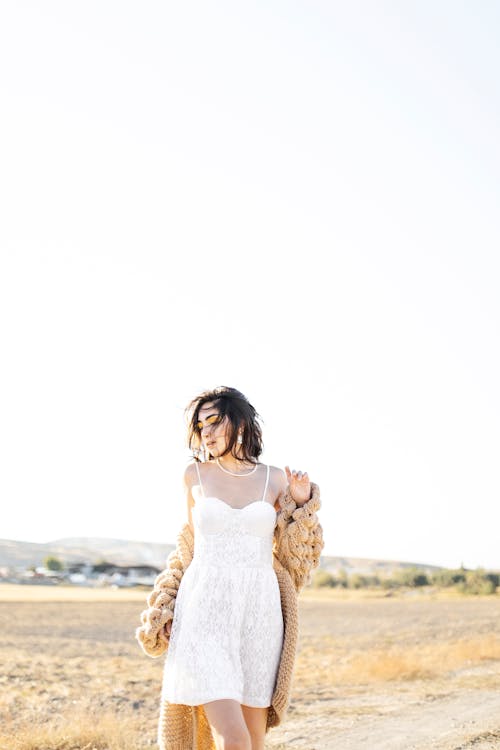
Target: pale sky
(296, 199)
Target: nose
(206, 430)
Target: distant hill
(367, 566)
(84, 549)
(126, 552)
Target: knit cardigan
(297, 546)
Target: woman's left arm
(298, 534)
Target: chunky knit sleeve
(161, 601)
(298, 537)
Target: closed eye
(213, 419)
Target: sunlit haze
(299, 200)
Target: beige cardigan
(297, 546)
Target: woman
(225, 609)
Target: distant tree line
(477, 581)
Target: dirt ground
(374, 673)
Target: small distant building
(105, 573)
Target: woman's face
(213, 429)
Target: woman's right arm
(153, 635)
(190, 479)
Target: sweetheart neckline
(213, 497)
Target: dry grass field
(406, 672)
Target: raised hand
(300, 486)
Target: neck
(231, 463)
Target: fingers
(300, 476)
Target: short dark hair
(233, 404)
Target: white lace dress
(227, 631)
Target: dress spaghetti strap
(199, 478)
(267, 482)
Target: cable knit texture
(298, 542)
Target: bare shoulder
(277, 477)
(190, 475)
(278, 483)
